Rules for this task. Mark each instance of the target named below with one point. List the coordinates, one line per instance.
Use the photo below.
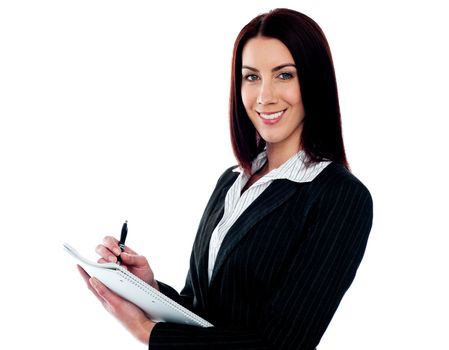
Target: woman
(283, 234)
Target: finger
(86, 278)
(112, 244)
(111, 301)
(129, 250)
(134, 260)
(106, 253)
(83, 273)
(102, 261)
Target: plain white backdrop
(114, 110)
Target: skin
(270, 84)
(266, 88)
(129, 315)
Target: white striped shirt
(293, 169)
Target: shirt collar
(294, 169)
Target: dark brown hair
(321, 137)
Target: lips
(271, 118)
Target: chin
(271, 138)
(269, 141)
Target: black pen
(121, 243)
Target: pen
(121, 243)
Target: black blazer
(282, 269)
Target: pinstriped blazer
(282, 269)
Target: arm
(185, 298)
(134, 320)
(301, 307)
(324, 267)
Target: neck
(276, 155)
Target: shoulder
(337, 184)
(225, 180)
(229, 175)
(334, 175)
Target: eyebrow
(274, 69)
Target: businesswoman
(283, 232)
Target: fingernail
(93, 281)
(112, 258)
(117, 251)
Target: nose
(266, 94)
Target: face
(271, 93)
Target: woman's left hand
(132, 318)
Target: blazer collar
(275, 195)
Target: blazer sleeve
(185, 298)
(300, 309)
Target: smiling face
(271, 93)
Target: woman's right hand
(134, 263)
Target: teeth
(271, 116)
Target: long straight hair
(321, 137)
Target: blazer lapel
(276, 194)
(206, 229)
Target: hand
(131, 317)
(134, 263)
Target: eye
(285, 76)
(250, 77)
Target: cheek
(248, 97)
(292, 96)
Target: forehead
(263, 52)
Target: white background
(114, 110)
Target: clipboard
(156, 305)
